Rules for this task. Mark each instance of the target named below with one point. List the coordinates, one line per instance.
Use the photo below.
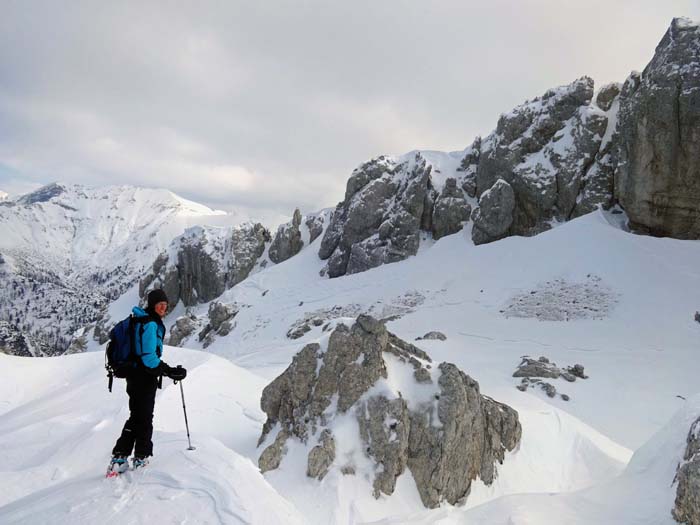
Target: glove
(177, 374)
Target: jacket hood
(138, 311)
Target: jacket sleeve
(149, 344)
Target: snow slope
(59, 423)
(629, 300)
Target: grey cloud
(269, 105)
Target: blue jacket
(149, 346)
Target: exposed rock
(577, 371)
(287, 241)
(598, 183)
(547, 388)
(450, 210)
(542, 149)
(658, 178)
(687, 504)
(697, 316)
(321, 456)
(469, 166)
(379, 220)
(297, 332)
(314, 224)
(531, 370)
(537, 368)
(607, 95)
(184, 327)
(473, 434)
(219, 313)
(384, 428)
(225, 328)
(205, 261)
(220, 322)
(494, 215)
(272, 456)
(77, 345)
(447, 436)
(43, 194)
(434, 336)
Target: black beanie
(155, 297)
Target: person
(141, 385)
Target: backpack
(120, 355)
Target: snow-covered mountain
(619, 304)
(587, 330)
(67, 250)
(3, 196)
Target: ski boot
(137, 462)
(118, 465)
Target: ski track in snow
(58, 422)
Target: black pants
(138, 429)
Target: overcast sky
(264, 106)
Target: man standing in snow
(141, 385)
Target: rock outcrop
(433, 335)
(220, 323)
(550, 159)
(183, 327)
(205, 261)
(287, 241)
(380, 218)
(658, 179)
(441, 428)
(450, 210)
(687, 504)
(542, 149)
(544, 368)
(494, 216)
(388, 202)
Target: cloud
(268, 106)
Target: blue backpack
(120, 355)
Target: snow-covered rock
(493, 217)
(543, 149)
(287, 241)
(687, 505)
(291, 237)
(203, 262)
(388, 202)
(408, 413)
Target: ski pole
(184, 410)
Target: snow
(69, 247)
(4, 196)
(606, 456)
(687, 23)
(444, 165)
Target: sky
(261, 107)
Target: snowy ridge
(68, 249)
(444, 164)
